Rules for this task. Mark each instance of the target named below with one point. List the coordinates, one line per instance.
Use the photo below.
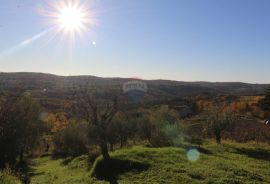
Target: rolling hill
(53, 90)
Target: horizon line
(145, 79)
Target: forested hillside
(53, 90)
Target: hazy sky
(189, 40)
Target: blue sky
(187, 40)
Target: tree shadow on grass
(24, 172)
(204, 151)
(66, 161)
(69, 158)
(111, 170)
(257, 153)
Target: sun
(72, 19)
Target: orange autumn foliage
(58, 121)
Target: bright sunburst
(70, 17)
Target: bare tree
(98, 114)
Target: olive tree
(20, 127)
(9, 138)
(218, 121)
(97, 113)
(265, 102)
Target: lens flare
(193, 155)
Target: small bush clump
(7, 177)
(72, 140)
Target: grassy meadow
(226, 163)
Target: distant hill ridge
(38, 81)
(53, 91)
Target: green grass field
(226, 163)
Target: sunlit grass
(227, 163)
(7, 177)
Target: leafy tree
(9, 138)
(121, 129)
(98, 114)
(19, 127)
(219, 121)
(58, 121)
(27, 112)
(265, 103)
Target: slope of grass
(227, 163)
(6, 177)
(59, 171)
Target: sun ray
(24, 43)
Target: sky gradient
(186, 40)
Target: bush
(6, 177)
(72, 140)
(165, 134)
(161, 127)
(258, 113)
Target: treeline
(26, 131)
(156, 127)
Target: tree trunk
(218, 138)
(121, 142)
(47, 147)
(111, 147)
(21, 156)
(104, 151)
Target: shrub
(7, 177)
(72, 140)
(161, 127)
(258, 113)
